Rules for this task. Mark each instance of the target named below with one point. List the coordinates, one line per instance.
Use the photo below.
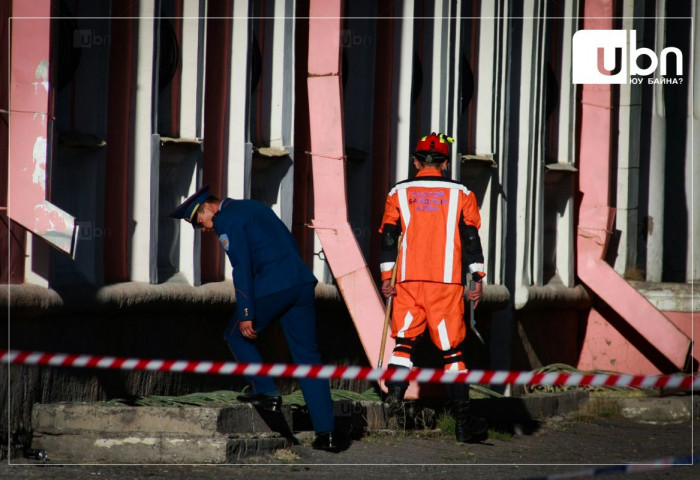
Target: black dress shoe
(266, 402)
(330, 442)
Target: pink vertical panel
(12, 236)
(29, 103)
(596, 217)
(330, 201)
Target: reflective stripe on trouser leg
(403, 353)
(452, 357)
(453, 360)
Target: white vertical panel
(192, 68)
(530, 206)
(402, 124)
(140, 251)
(490, 82)
(441, 67)
(657, 168)
(485, 83)
(630, 110)
(191, 113)
(281, 102)
(278, 100)
(239, 150)
(523, 202)
(566, 141)
(456, 99)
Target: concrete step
(68, 418)
(86, 433)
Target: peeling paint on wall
(39, 158)
(42, 75)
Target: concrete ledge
(659, 410)
(33, 300)
(135, 448)
(72, 418)
(669, 297)
(551, 404)
(83, 433)
(155, 448)
(552, 297)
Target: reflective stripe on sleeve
(386, 266)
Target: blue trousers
(296, 310)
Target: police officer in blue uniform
(272, 283)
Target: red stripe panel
(141, 365)
(118, 362)
(562, 378)
(93, 361)
(413, 374)
(45, 358)
(313, 373)
(22, 357)
(486, 377)
(216, 367)
(586, 379)
(69, 360)
(512, 377)
(240, 368)
(661, 382)
(536, 378)
(364, 373)
(636, 381)
(339, 371)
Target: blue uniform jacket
(264, 255)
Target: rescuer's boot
(396, 407)
(468, 428)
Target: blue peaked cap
(188, 209)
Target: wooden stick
(389, 302)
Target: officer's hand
(388, 289)
(476, 294)
(246, 327)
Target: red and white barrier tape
(421, 375)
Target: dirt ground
(559, 446)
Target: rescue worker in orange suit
(437, 221)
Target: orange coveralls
(431, 211)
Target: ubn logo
(607, 57)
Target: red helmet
(433, 148)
